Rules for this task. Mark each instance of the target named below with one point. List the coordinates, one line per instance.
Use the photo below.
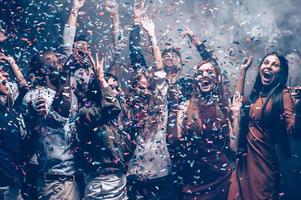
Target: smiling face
(171, 59)
(52, 67)
(81, 51)
(269, 69)
(52, 62)
(172, 62)
(142, 89)
(206, 77)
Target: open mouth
(205, 83)
(173, 69)
(168, 61)
(3, 82)
(267, 77)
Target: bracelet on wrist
(74, 11)
(20, 80)
(11, 62)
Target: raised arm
(99, 71)
(247, 62)
(16, 70)
(149, 26)
(70, 26)
(112, 7)
(234, 124)
(136, 54)
(109, 103)
(118, 38)
(200, 46)
(76, 5)
(236, 104)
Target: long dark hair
(220, 90)
(278, 85)
(275, 96)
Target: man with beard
(47, 117)
(12, 132)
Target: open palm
(77, 4)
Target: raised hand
(8, 59)
(77, 4)
(2, 56)
(236, 104)
(192, 37)
(3, 88)
(139, 8)
(148, 25)
(111, 6)
(246, 63)
(2, 36)
(98, 69)
(17, 72)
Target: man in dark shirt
(101, 142)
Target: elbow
(159, 66)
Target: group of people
(71, 130)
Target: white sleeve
(160, 78)
(13, 90)
(68, 39)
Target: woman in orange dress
(267, 119)
(202, 166)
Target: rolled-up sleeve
(68, 38)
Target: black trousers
(29, 187)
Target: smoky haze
(233, 29)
